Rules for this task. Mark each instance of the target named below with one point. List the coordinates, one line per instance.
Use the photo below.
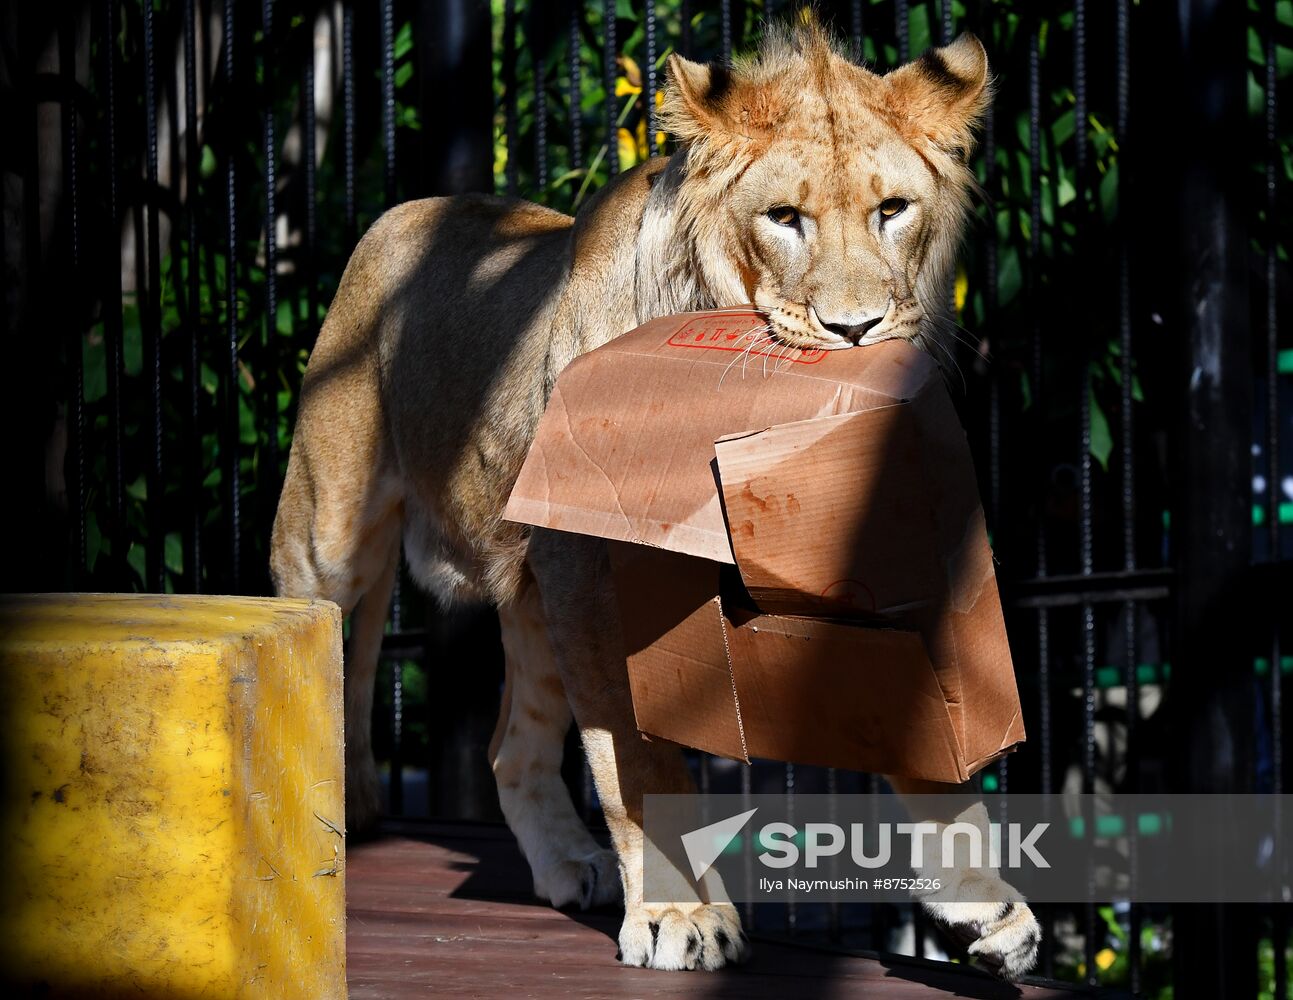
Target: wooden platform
(444, 910)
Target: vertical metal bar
(511, 119)
(540, 123)
(397, 738)
(1272, 443)
(1084, 458)
(902, 29)
(990, 318)
(1213, 698)
(268, 470)
(856, 37)
(112, 324)
(649, 77)
(879, 911)
(229, 442)
(946, 22)
(609, 52)
(746, 790)
(397, 705)
(193, 472)
(348, 118)
(1085, 550)
(684, 42)
(155, 569)
(834, 926)
(1270, 25)
(388, 96)
(792, 917)
(725, 30)
(1036, 373)
(1130, 610)
(67, 38)
(990, 303)
(1279, 941)
(310, 151)
(576, 106)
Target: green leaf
(132, 341)
(94, 541)
(1111, 922)
(135, 560)
(174, 553)
(1062, 129)
(1109, 193)
(918, 29)
(1067, 191)
(138, 490)
(403, 41)
(1101, 438)
(94, 362)
(1009, 276)
(283, 319)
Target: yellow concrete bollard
(172, 796)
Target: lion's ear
(944, 93)
(702, 99)
(694, 95)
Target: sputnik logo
(703, 846)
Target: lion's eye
(784, 215)
(893, 206)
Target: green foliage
(271, 356)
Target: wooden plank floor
(444, 910)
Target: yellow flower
(962, 288)
(623, 88)
(1105, 958)
(632, 74)
(628, 149)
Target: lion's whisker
(755, 336)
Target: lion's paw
(587, 881)
(1003, 936)
(695, 936)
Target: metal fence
(184, 179)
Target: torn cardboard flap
(868, 632)
(812, 507)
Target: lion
(831, 197)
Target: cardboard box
(799, 551)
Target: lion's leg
(348, 554)
(574, 580)
(363, 652)
(977, 906)
(525, 753)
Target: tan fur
(452, 322)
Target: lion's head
(831, 197)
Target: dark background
(176, 220)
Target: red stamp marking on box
(711, 335)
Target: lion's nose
(851, 331)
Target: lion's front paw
(587, 881)
(1003, 936)
(688, 936)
